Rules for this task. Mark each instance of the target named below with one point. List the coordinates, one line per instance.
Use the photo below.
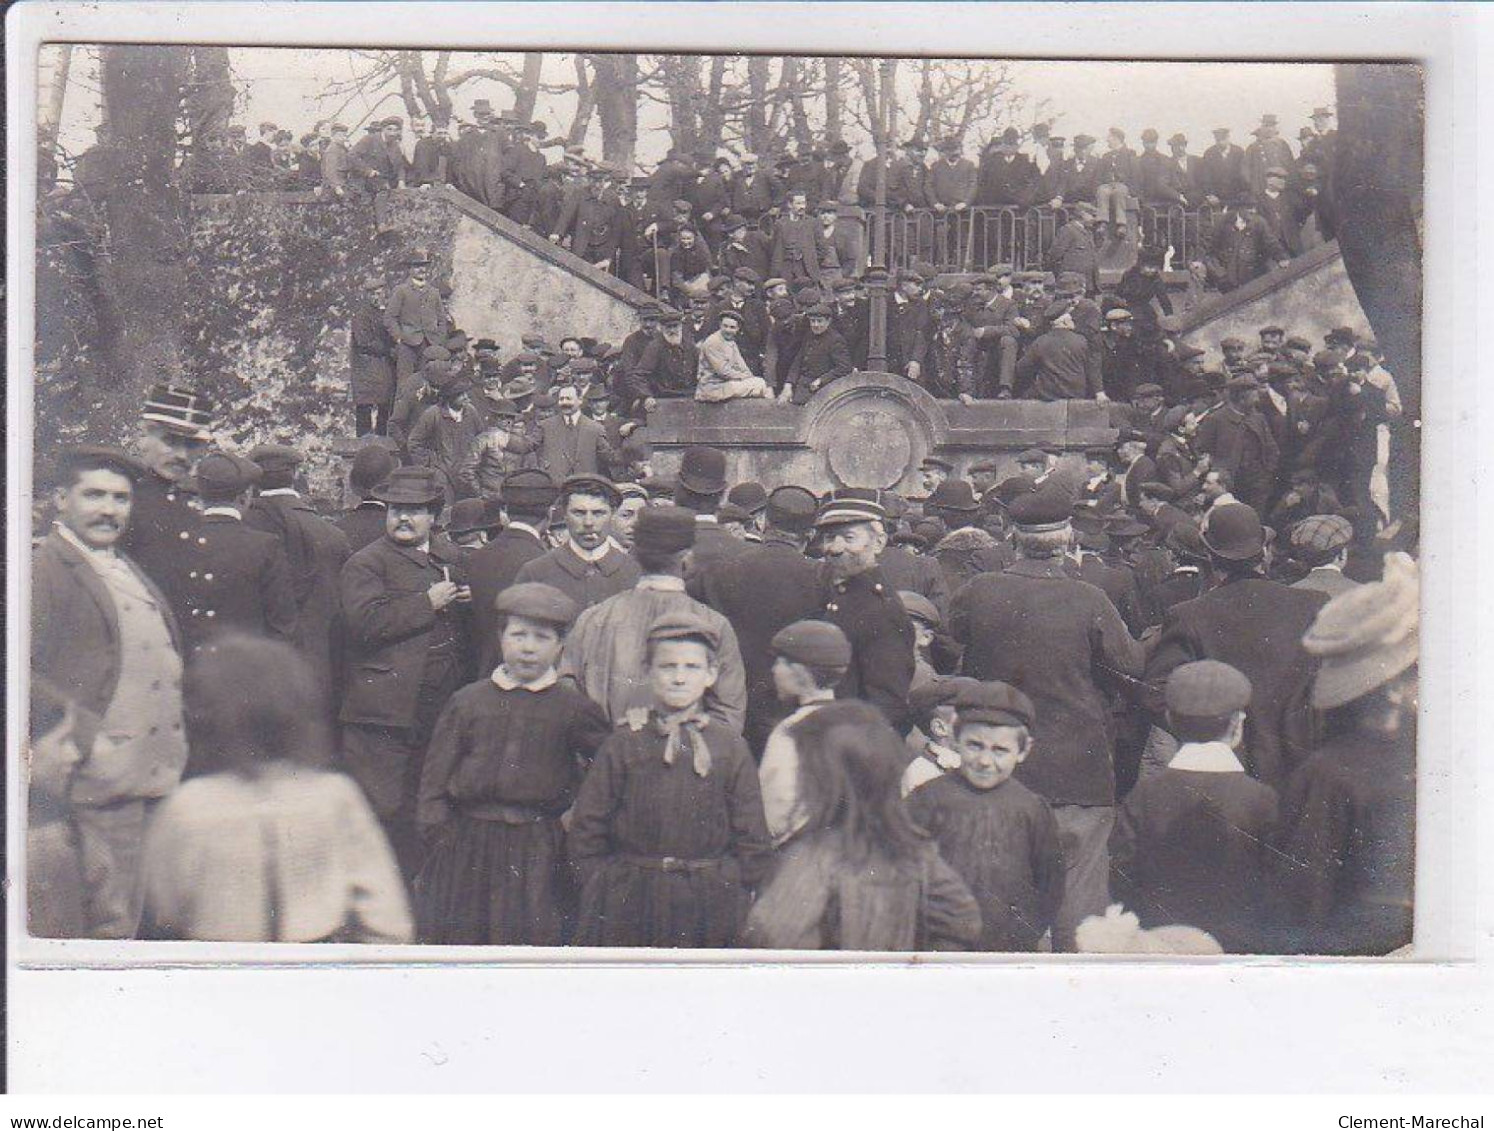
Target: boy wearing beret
(996, 833)
(1189, 844)
(668, 831)
(503, 766)
(810, 658)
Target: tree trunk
(713, 109)
(682, 84)
(528, 92)
(615, 87)
(791, 84)
(756, 127)
(147, 222)
(210, 97)
(50, 115)
(832, 98)
(586, 103)
(925, 99)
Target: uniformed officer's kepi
(850, 505)
(180, 411)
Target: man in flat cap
(1063, 644)
(106, 725)
(1237, 440)
(762, 589)
(605, 651)
(315, 550)
(444, 434)
(1256, 625)
(588, 566)
(376, 164)
(822, 357)
(1349, 814)
(851, 526)
(1321, 542)
(1061, 364)
(1192, 842)
(407, 652)
(237, 578)
(415, 317)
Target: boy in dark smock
(668, 831)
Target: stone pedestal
(869, 430)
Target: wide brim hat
(1367, 636)
(411, 487)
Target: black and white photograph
(539, 498)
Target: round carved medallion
(870, 448)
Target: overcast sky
(282, 84)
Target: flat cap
(89, 456)
(850, 505)
(1184, 540)
(589, 484)
(751, 496)
(1158, 490)
(920, 607)
(1119, 314)
(1240, 382)
(994, 702)
(747, 275)
(1367, 636)
(1147, 390)
(1207, 689)
(412, 487)
(1013, 487)
(684, 624)
(1327, 359)
(1046, 509)
(703, 470)
(1272, 329)
(937, 464)
(1322, 535)
(220, 472)
(276, 458)
(775, 281)
(1032, 455)
(1233, 532)
(1178, 139)
(664, 530)
(817, 643)
(533, 341)
(534, 600)
(791, 509)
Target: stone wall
(1310, 296)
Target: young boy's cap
(921, 608)
(681, 624)
(1207, 689)
(535, 600)
(817, 643)
(994, 702)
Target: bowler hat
(411, 487)
(529, 488)
(370, 466)
(534, 600)
(954, 495)
(468, 515)
(1233, 532)
(703, 470)
(817, 643)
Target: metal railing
(979, 237)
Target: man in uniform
(1062, 643)
(315, 550)
(851, 526)
(588, 567)
(406, 654)
(175, 428)
(236, 579)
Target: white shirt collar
(590, 555)
(72, 539)
(661, 583)
(515, 524)
(1207, 758)
(231, 512)
(507, 682)
(271, 492)
(705, 520)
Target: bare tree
(615, 84)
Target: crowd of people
(1154, 695)
(802, 215)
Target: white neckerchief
(105, 552)
(231, 512)
(507, 682)
(272, 492)
(660, 583)
(1207, 758)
